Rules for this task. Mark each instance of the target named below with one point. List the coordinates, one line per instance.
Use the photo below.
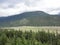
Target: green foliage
(14, 37)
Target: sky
(12, 7)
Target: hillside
(36, 18)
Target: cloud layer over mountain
(11, 7)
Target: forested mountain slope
(35, 18)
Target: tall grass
(18, 37)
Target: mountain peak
(34, 18)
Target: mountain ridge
(23, 15)
(35, 18)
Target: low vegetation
(18, 37)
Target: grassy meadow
(35, 28)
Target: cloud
(12, 7)
(7, 11)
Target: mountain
(35, 18)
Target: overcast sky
(11, 7)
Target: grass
(35, 28)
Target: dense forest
(14, 37)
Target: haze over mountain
(35, 18)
